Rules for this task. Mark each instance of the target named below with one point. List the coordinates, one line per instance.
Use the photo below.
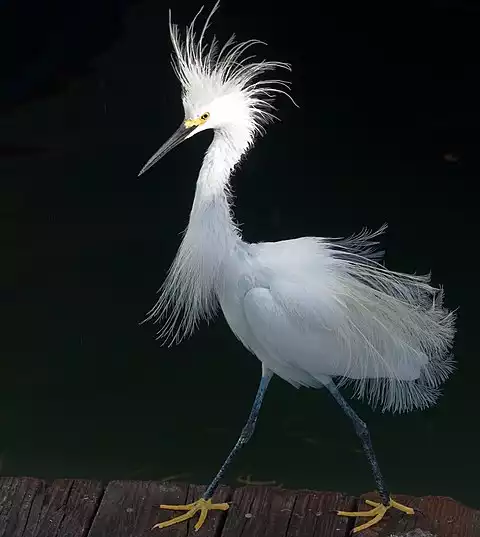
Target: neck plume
(188, 294)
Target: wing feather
(318, 314)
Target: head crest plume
(207, 72)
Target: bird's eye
(205, 116)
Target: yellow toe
(372, 512)
(201, 519)
(401, 507)
(176, 520)
(192, 508)
(376, 514)
(186, 507)
(380, 514)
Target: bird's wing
(314, 313)
(276, 340)
(295, 343)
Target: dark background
(387, 130)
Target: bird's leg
(362, 432)
(379, 509)
(204, 504)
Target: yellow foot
(192, 508)
(376, 513)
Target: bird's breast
(238, 276)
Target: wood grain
(35, 508)
(79, 508)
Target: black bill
(177, 138)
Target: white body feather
(310, 308)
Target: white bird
(316, 312)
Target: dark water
(86, 391)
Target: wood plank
(435, 515)
(315, 515)
(131, 508)
(274, 512)
(35, 508)
(66, 508)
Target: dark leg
(362, 432)
(245, 435)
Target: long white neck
(211, 217)
(188, 294)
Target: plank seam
(292, 510)
(97, 509)
(65, 506)
(351, 520)
(223, 517)
(41, 486)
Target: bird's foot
(201, 505)
(376, 514)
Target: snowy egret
(316, 312)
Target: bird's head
(222, 87)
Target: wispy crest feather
(207, 72)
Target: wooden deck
(79, 508)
